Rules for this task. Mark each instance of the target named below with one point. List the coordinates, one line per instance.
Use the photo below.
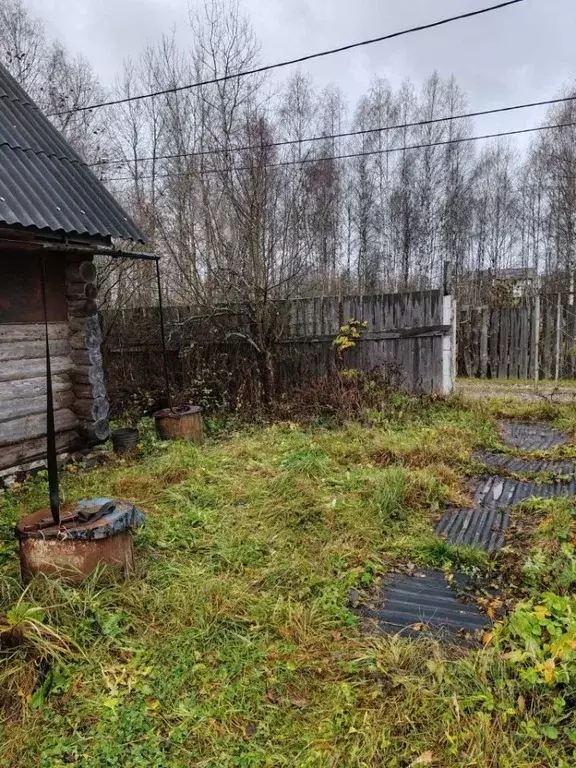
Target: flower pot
(125, 440)
(182, 423)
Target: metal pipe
(117, 253)
(53, 487)
(163, 334)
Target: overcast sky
(522, 53)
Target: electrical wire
(333, 136)
(290, 62)
(392, 150)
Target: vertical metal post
(52, 458)
(558, 336)
(163, 335)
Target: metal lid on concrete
(82, 521)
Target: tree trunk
(13, 409)
(29, 388)
(267, 376)
(96, 432)
(30, 350)
(92, 410)
(80, 291)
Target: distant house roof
(506, 273)
(44, 184)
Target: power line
(300, 60)
(306, 160)
(330, 137)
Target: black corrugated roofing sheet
(421, 604)
(530, 436)
(43, 183)
(486, 523)
(520, 465)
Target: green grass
(233, 644)
(545, 383)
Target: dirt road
(563, 392)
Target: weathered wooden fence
(536, 339)
(411, 333)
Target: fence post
(558, 336)
(449, 356)
(484, 342)
(536, 337)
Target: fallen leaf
(549, 669)
(152, 704)
(297, 702)
(487, 638)
(272, 698)
(493, 608)
(521, 704)
(420, 627)
(426, 758)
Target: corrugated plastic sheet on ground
(423, 603)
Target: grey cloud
(521, 53)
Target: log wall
(80, 404)
(23, 391)
(85, 338)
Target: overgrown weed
(233, 644)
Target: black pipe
(53, 487)
(163, 334)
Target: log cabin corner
(53, 212)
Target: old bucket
(181, 423)
(91, 533)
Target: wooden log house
(55, 215)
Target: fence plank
(405, 331)
(524, 342)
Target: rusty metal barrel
(182, 423)
(91, 533)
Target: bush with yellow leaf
(349, 335)
(539, 640)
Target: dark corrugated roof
(43, 183)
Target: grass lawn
(546, 386)
(233, 645)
